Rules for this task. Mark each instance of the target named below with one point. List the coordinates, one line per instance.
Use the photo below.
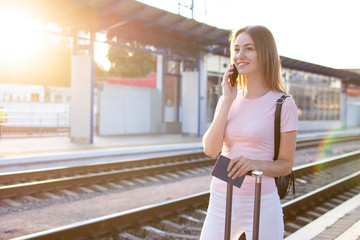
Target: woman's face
(245, 55)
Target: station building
(191, 58)
(190, 101)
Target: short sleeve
(289, 116)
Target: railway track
(313, 142)
(18, 190)
(21, 189)
(320, 187)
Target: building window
(35, 97)
(213, 94)
(58, 98)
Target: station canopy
(345, 76)
(136, 25)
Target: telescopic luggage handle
(256, 222)
(257, 197)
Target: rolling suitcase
(256, 219)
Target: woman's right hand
(229, 92)
(213, 138)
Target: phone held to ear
(234, 76)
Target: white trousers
(271, 217)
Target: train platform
(21, 154)
(52, 148)
(16, 147)
(340, 223)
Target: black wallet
(220, 171)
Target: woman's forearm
(213, 138)
(276, 168)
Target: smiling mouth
(242, 64)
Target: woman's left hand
(239, 166)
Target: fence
(27, 123)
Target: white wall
(128, 110)
(189, 92)
(80, 107)
(353, 115)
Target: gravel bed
(64, 211)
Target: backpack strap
(277, 121)
(279, 103)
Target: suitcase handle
(256, 220)
(258, 174)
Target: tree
(128, 63)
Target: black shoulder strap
(279, 103)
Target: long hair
(267, 53)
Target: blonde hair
(267, 53)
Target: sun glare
(101, 51)
(18, 36)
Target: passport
(220, 171)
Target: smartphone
(234, 76)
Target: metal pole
(40, 125)
(192, 9)
(199, 95)
(91, 53)
(229, 194)
(57, 122)
(345, 105)
(257, 202)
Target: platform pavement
(340, 223)
(22, 154)
(17, 147)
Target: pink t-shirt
(249, 133)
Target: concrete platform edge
(90, 153)
(314, 228)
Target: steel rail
(31, 175)
(308, 200)
(307, 143)
(114, 224)
(121, 220)
(34, 175)
(326, 163)
(9, 191)
(105, 173)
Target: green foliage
(128, 63)
(100, 71)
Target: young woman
(243, 130)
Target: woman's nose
(239, 55)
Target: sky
(324, 32)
